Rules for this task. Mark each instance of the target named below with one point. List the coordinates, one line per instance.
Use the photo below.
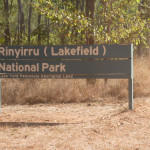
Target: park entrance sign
(67, 62)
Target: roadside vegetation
(65, 22)
(33, 91)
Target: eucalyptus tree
(119, 22)
(67, 22)
(75, 22)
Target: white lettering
(17, 52)
(2, 67)
(52, 52)
(44, 66)
(2, 51)
(95, 51)
(54, 68)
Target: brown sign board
(65, 52)
(78, 61)
(68, 61)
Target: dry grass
(31, 91)
(142, 77)
(76, 126)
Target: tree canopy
(74, 22)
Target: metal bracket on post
(131, 82)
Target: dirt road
(83, 126)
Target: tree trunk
(77, 4)
(47, 28)
(90, 14)
(82, 5)
(29, 22)
(39, 29)
(61, 35)
(21, 26)
(90, 33)
(62, 4)
(7, 31)
(22, 20)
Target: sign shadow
(31, 124)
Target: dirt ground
(82, 126)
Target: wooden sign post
(67, 62)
